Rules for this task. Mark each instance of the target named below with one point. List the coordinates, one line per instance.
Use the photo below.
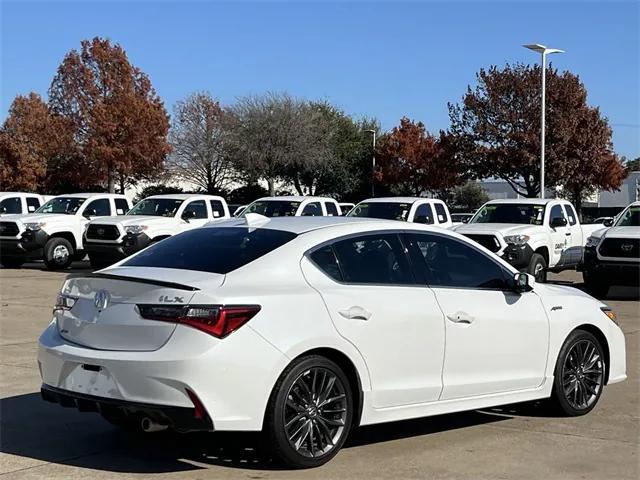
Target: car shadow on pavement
(615, 293)
(78, 266)
(32, 428)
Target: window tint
(446, 262)
(98, 208)
(388, 211)
(215, 250)
(325, 260)
(66, 205)
(11, 205)
(441, 213)
(122, 207)
(273, 208)
(312, 209)
(519, 213)
(571, 214)
(217, 209)
(32, 204)
(424, 214)
(332, 210)
(195, 209)
(556, 212)
(376, 259)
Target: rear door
(369, 290)
(575, 246)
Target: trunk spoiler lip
(125, 278)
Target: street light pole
(544, 51)
(373, 164)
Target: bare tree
(198, 137)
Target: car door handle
(568, 234)
(355, 313)
(460, 317)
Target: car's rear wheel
(58, 253)
(538, 267)
(579, 374)
(310, 413)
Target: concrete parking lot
(41, 440)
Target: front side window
(424, 214)
(446, 262)
(312, 209)
(156, 207)
(273, 208)
(122, 207)
(11, 205)
(98, 208)
(32, 204)
(555, 214)
(214, 250)
(384, 210)
(332, 210)
(373, 259)
(65, 205)
(196, 209)
(441, 213)
(516, 213)
(630, 217)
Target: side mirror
(558, 222)
(188, 214)
(3, 209)
(608, 222)
(421, 219)
(523, 282)
(91, 212)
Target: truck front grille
(490, 242)
(9, 229)
(620, 247)
(103, 232)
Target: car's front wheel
(579, 374)
(58, 253)
(309, 413)
(538, 268)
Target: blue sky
(382, 59)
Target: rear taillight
(216, 320)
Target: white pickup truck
(533, 235)
(155, 218)
(54, 231)
(612, 255)
(294, 206)
(430, 211)
(12, 203)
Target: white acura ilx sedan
(305, 328)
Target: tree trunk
(296, 183)
(122, 183)
(272, 187)
(576, 199)
(111, 185)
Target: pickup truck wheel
(594, 285)
(538, 268)
(58, 253)
(11, 262)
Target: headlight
(34, 226)
(611, 314)
(592, 242)
(135, 229)
(516, 239)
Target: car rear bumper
(233, 377)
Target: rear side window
(332, 211)
(122, 207)
(32, 204)
(217, 209)
(373, 259)
(325, 260)
(571, 214)
(424, 214)
(441, 213)
(11, 205)
(215, 250)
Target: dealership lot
(40, 440)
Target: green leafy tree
(469, 196)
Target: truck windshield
(516, 213)
(630, 217)
(273, 208)
(384, 210)
(66, 205)
(156, 207)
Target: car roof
(91, 194)
(185, 196)
(295, 198)
(527, 201)
(398, 200)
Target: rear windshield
(215, 250)
(387, 211)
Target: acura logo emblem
(626, 247)
(101, 300)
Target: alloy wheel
(60, 254)
(582, 374)
(315, 412)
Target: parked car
(604, 221)
(346, 207)
(54, 231)
(429, 211)
(19, 202)
(460, 218)
(238, 210)
(294, 206)
(612, 255)
(307, 328)
(534, 235)
(110, 239)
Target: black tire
(538, 267)
(11, 262)
(328, 438)
(594, 285)
(577, 394)
(98, 263)
(58, 253)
